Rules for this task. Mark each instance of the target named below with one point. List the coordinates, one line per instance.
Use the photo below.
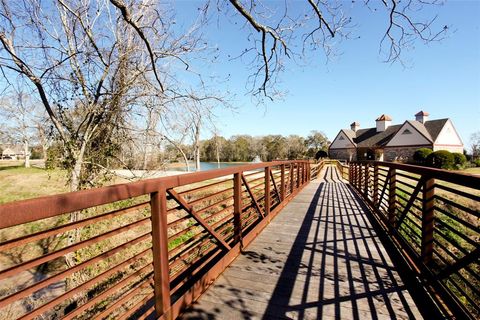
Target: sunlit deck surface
(320, 258)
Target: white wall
(340, 144)
(448, 137)
(413, 139)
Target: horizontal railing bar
(38, 311)
(458, 233)
(456, 218)
(213, 195)
(111, 290)
(69, 226)
(136, 307)
(458, 192)
(463, 179)
(63, 274)
(208, 186)
(458, 206)
(45, 258)
(112, 308)
(24, 211)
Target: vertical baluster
(428, 220)
(267, 191)
(392, 196)
(237, 207)
(298, 176)
(375, 185)
(292, 171)
(282, 185)
(366, 181)
(158, 206)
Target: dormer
(383, 122)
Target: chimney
(422, 116)
(355, 126)
(383, 122)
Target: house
(13, 153)
(387, 142)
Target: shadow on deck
(319, 259)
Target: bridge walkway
(320, 258)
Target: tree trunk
(27, 153)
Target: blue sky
(441, 78)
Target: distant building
(387, 142)
(13, 153)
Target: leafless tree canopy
(283, 30)
(101, 67)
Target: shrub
(420, 156)
(459, 159)
(477, 162)
(321, 154)
(441, 159)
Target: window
(406, 131)
(341, 138)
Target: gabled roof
(370, 138)
(367, 138)
(420, 127)
(350, 135)
(435, 126)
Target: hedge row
(441, 159)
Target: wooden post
(267, 191)
(158, 206)
(428, 220)
(375, 185)
(237, 207)
(282, 179)
(392, 186)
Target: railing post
(365, 182)
(375, 185)
(237, 207)
(297, 177)
(428, 220)
(392, 197)
(282, 179)
(292, 172)
(267, 191)
(309, 174)
(158, 206)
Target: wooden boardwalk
(319, 258)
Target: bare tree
(22, 117)
(475, 145)
(290, 29)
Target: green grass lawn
(18, 182)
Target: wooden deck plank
(320, 258)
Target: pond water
(205, 166)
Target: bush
(441, 159)
(459, 159)
(321, 154)
(420, 156)
(477, 162)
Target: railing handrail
(442, 174)
(436, 231)
(23, 211)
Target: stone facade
(349, 154)
(401, 154)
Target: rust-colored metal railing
(433, 216)
(139, 249)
